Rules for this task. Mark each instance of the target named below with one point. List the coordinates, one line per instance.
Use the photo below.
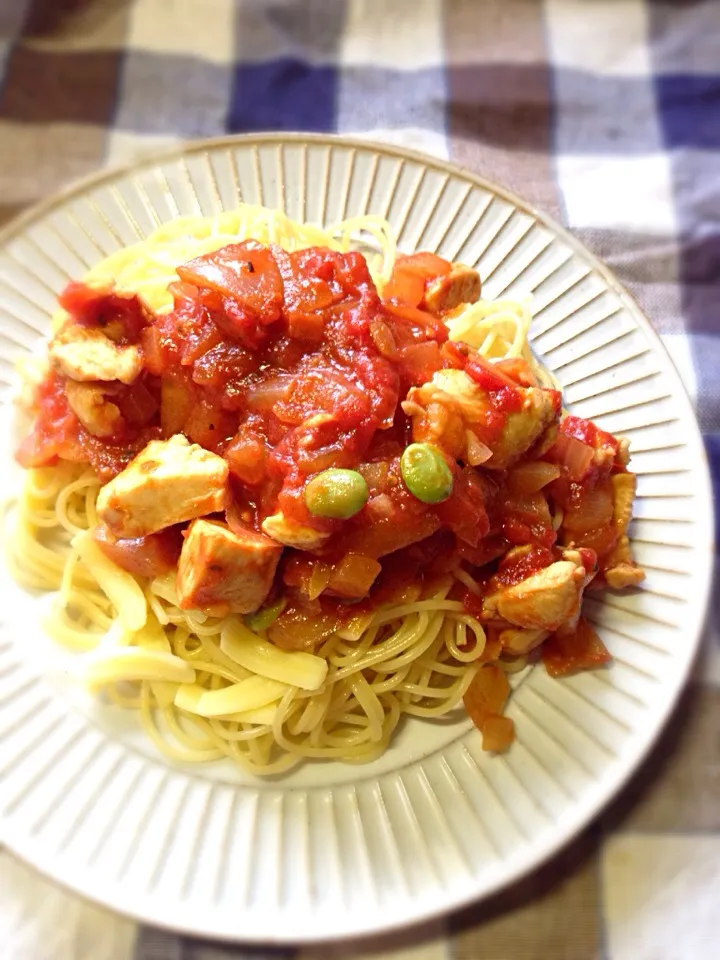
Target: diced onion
(354, 628)
(593, 512)
(532, 476)
(354, 575)
(477, 451)
(319, 579)
(295, 668)
(380, 507)
(574, 454)
(265, 395)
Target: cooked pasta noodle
(412, 658)
(205, 686)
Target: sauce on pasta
(291, 485)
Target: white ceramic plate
(335, 850)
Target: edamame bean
(336, 493)
(266, 616)
(426, 473)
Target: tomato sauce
(287, 364)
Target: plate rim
(585, 813)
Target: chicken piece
(623, 574)
(461, 285)
(457, 390)
(543, 601)
(85, 353)
(96, 413)
(442, 409)
(586, 562)
(624, 486)
(524, 429)
(170, 481)
(445, 410)
(221, 566)
(623, 454)
(292, 534)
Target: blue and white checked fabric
(606, 113)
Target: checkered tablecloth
(606, 113)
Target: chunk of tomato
(464, 511)
(245, 273)
(564, 654)
(56, 431)
(410, 276)
(306, 296)
(121, 316)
